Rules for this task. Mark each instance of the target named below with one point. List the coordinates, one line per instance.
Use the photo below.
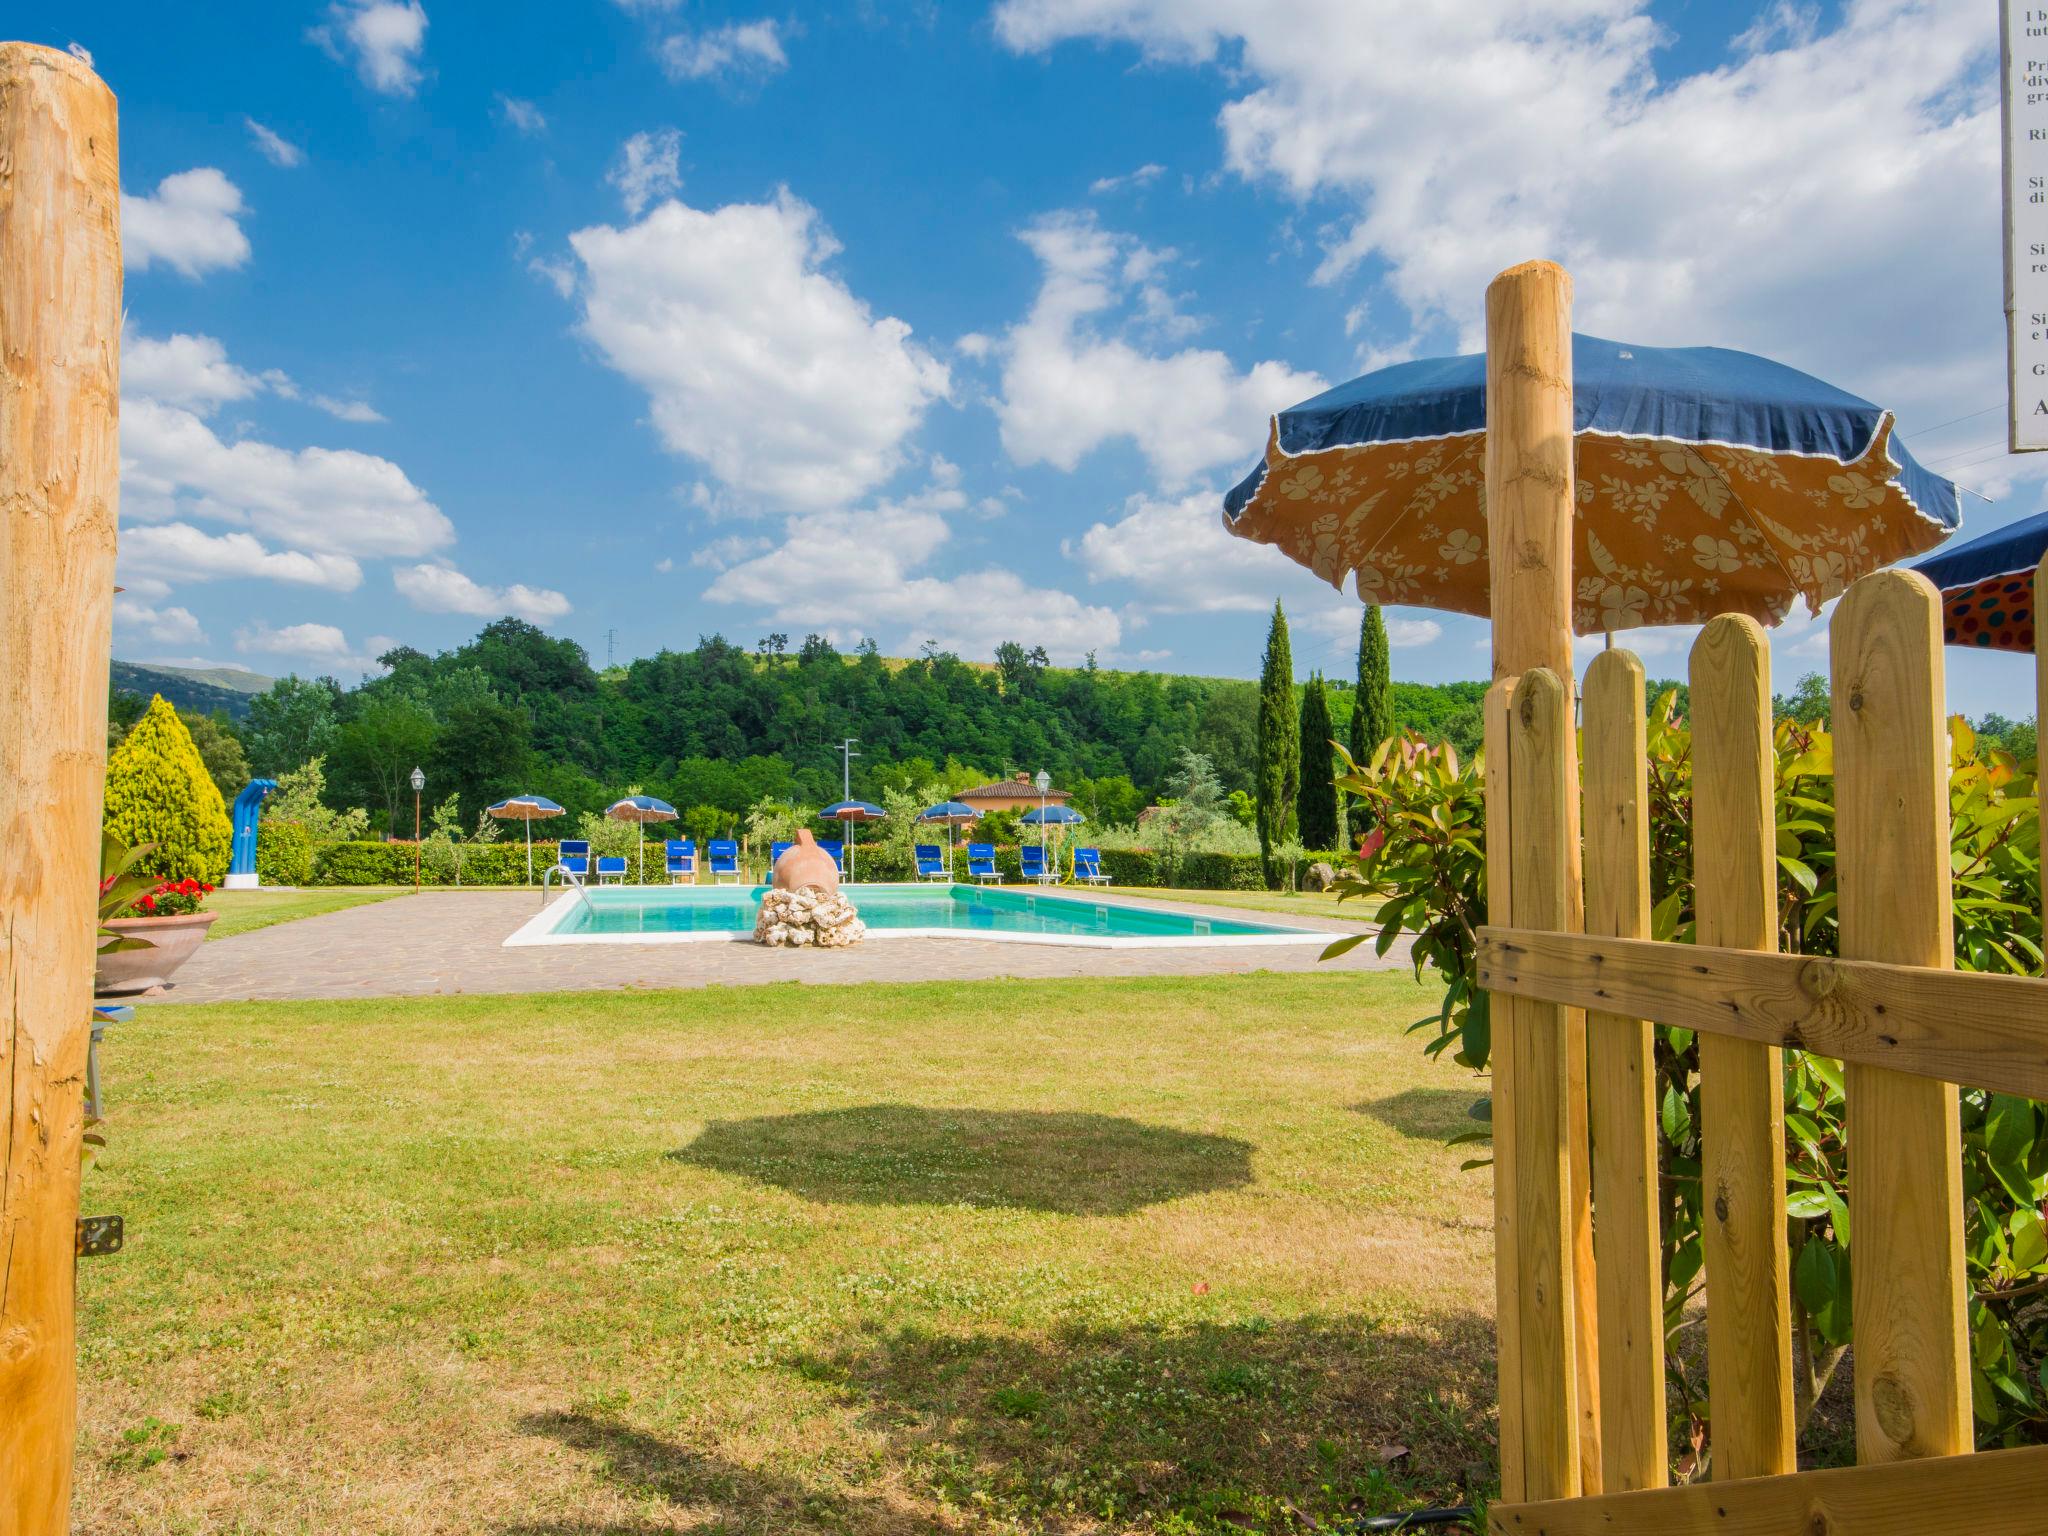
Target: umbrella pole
(1547, 1328)
(529, 848)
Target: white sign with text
(2025, 84)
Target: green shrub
(158, 791)
(1429, 876)
(363, 864)
(284, 853)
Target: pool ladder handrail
(569, 878)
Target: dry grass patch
(1173, 1255)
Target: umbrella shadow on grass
(1425, 1114)
(1210, 1424)
(1064, 1163)
(717, 1494)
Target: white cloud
(1176, 552)
(752, 48)
(647, 168)
(722, 554)
(1828, 197)
(346, 410)
(179, 552)
(164, 626)
(314, 642)
(386, 37)
(273, 146)
(1143, 176)
(756, 360)
(863, 572)
(327, 500)
(189, 371)
(189, 223)
(1403, 634)
(1068, 387)
(444, 589)
(522, 114)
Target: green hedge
(287, 860)
(284, 853)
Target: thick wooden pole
(1530, 500)
(60, 332)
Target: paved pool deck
(451, 942)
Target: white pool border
(539, 929)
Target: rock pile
(807, 916)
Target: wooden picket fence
(1583, 1429)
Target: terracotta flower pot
(171, 941)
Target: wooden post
(1892, 877)
(1622, 1064)
(1540, 762)
(60, 336)
(1530, 501)
(1507, 1352)
(1742, 1084)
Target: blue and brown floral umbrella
(1987, 586)
(641, 809)
(529, 809)
(850, 813)
(1709, 481)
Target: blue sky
(952, 322)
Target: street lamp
(419, 782)
(1044, 782)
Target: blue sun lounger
(1032, 857)
(931, 863)
(574, 856)
(682, 860)
(836, 846)
(1088, 866)
(775, 853)
(611, 867)
(724, 856)
(981, 863)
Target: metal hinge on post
(98, 1236)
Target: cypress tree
(1279, 776)
(1372, 714)
(1317, 804)
(158, 791)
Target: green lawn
(244, 911)
(1163, 1256)
(1304, 904)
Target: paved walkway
(445, 942)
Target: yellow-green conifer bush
(158, 791)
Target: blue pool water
(993, 911)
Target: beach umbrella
(852, 813)
(1709, 481)
(1987, 586)
(641, 809)
(1052, 816)
(952, 813)
(529, 809)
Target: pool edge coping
(538, 930)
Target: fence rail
(1892, 1008)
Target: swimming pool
(683, 914)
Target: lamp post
(1044, 782)
(419, 782)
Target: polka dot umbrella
(1987, 586)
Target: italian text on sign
(2025, 84)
